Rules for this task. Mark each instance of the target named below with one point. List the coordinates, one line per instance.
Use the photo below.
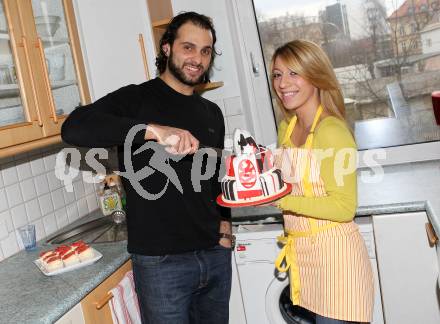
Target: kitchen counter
(27, 296)
(403, 188)
(273, 215)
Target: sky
(274, 8)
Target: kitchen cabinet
(161, 12)
(408, 269)
(95, 306)
(117, 41)
(42, 76)
(74, 316)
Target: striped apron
(329, 267)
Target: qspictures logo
(205, 162)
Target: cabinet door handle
(47, 81)
(144, 55)
(432, 237)
(104, 300)
(34, 91)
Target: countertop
(401, 188)
(28, 296)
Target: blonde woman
(328, 264)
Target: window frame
(408, 153)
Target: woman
(330, 272)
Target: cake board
(255, 202)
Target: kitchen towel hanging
(124, 305)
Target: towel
(124, 305)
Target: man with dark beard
(180, 243)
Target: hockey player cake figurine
(251, 178)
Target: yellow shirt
(341, 201)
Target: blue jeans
(186, 288)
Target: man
(180, 243)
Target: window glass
(382, 54)
(11, 108)
(53, 30)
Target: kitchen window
(386, 86)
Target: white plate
(81, 264)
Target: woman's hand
(273, 204)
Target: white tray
(81, 264)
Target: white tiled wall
(232, 109)
(30, 193)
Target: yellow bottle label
(110, 203)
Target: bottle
(110, 200)
(115, 184)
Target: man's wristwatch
(229, 237)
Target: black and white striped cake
(251, 175)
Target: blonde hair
(310, 62)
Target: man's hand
(225, 242)
(225, 227)
(178, 141)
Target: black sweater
(176, 222)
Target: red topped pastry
(77, 244)
(84, 252)
(70, 258)
(53, 263)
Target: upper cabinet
(42, 75)
(161, 13)
(43, 68)
(116, 38)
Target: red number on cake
(247, 173)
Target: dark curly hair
(170, 34)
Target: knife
(219, 152)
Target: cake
(77, 244)
(45, 254)
(250, 173)
(65, 256)
(62, 250)
(70, 258)
(53, 263)
(84, 252)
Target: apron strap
(307, 184)
(289, 131)
(289, 256)
(288, 253)
(291, 126)
(284, 254)
(309, 140)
